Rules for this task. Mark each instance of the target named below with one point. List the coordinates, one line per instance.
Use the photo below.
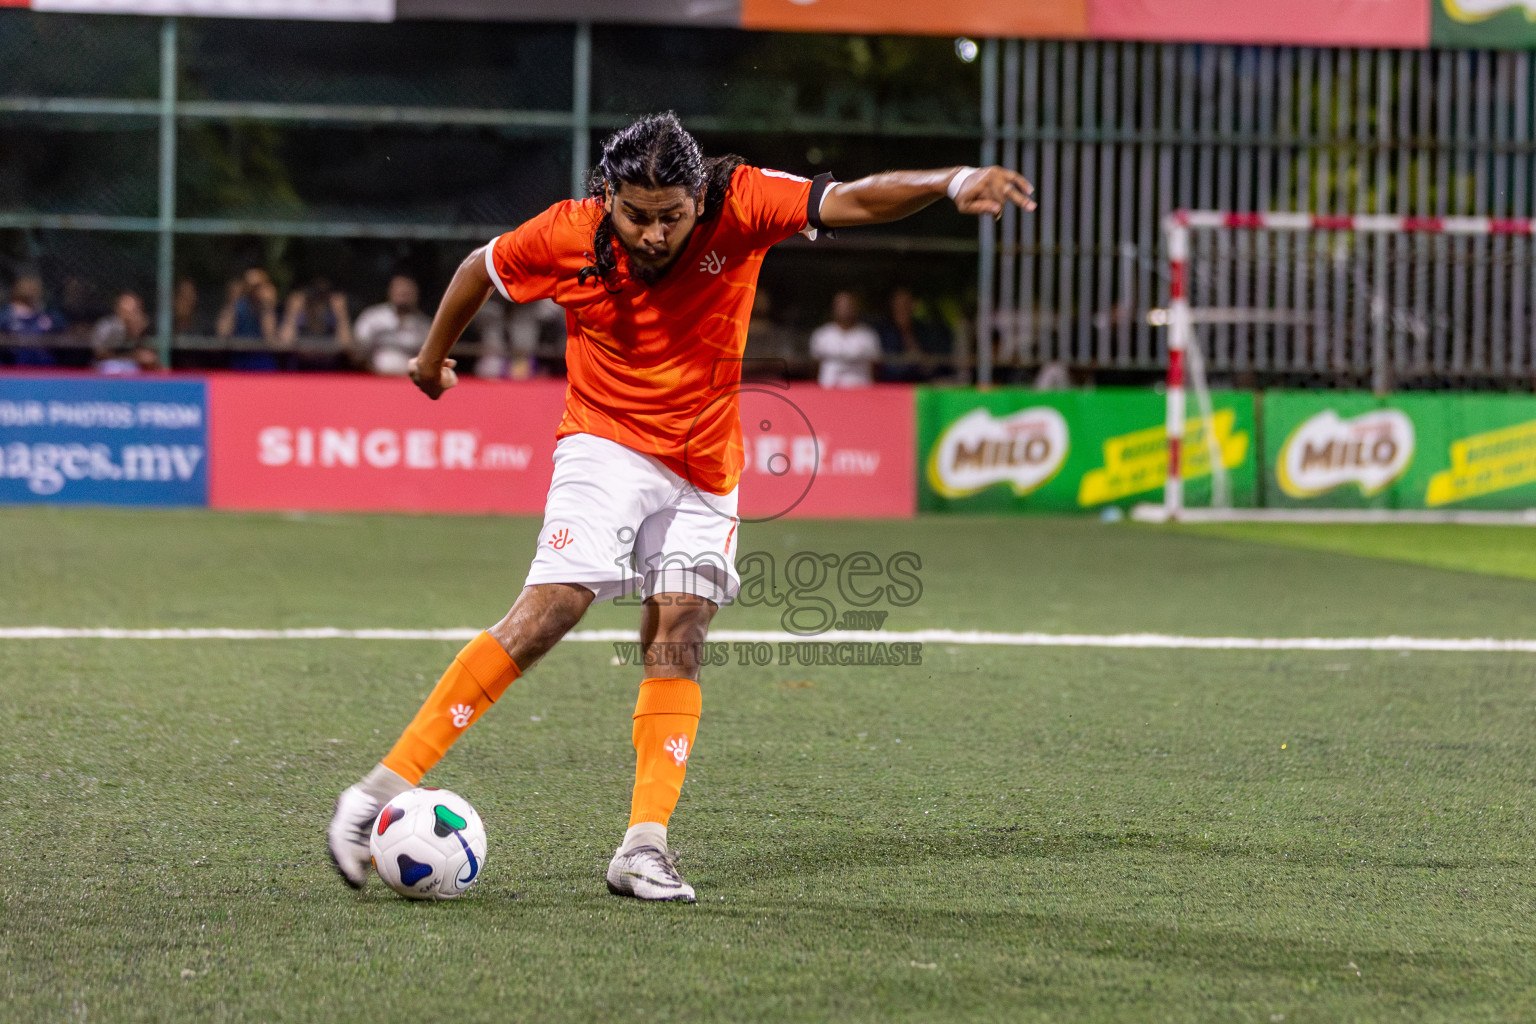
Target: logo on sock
(461, 713)
(677, 746)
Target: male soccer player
(656, 272)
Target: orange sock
(480, 673)
(666, 721)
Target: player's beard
(650, 273)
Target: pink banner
(335, 443)
(366, 444)
(1298, 22)
(831, 454)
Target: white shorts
(619, 523)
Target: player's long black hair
(654, 152)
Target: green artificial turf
(1500, 550)
(1009, 834)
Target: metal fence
(1116, 135)
(135, 148)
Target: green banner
(1016, 450)
(1490, 24)
(1353, 450)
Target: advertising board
(1012, 449)
(372, 444)
(89, 440)
(1410, 451)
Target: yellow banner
(1138, 462)
(1485, 463)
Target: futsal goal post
(1354, 299)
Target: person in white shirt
(390, 333)
(848, 348)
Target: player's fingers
(1019, 196)
(1019, 181)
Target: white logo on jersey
(783, 174)
(712, 263)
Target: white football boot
(643, 866)
(356, 809)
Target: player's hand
(991, 189)
(432, 384)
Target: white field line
(1134, 641)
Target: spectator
(389, 334)
(250, 314)
(913, 346)
(25, 317)
(319, 312)
(512, 336)
(120, 341)
(771, 342)
(847, 348)
(536, 333)
(81, 305)
(490, 324)
(184, 308)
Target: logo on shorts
(461, 713)
(677, 746)
(713, 263)
(560, 539)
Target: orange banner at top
(1402, 23)
(1048, 19)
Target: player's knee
(685, 623)
(542, 615)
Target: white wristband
(960, 180)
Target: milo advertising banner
(1423, 451)
(1484, 24)
(1012, 449)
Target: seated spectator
(490, 326)
(250, 314)
(536, 335)
(771, 343)
(81, 305)
(26, 317)
(120, 341)
(847, 348)
(518, 340)
(391, 333)
(913, 347)
(184, 319)
(318, 313)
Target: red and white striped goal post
(1177, 227)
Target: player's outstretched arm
(882, 198)
(432, 370)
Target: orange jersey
(656, 367)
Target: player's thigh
(599, 497)
(690, 548)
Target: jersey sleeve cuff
(490, 268)
(820, 185)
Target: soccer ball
(428, 844)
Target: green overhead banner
(1411, 451)
(1016, 450)
(1483, 24)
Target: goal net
(1321, 300)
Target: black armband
(819, 186)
